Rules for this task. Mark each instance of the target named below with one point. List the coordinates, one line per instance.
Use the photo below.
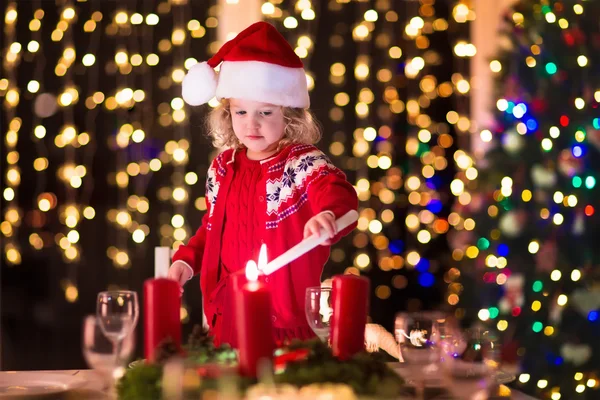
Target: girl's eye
(240, 112)
(266, 113)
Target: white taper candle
(308, 244)
(162, 261)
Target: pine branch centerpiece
(303, 366)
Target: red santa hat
(258, 64)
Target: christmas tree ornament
(543, 177)
(511, 223)
(513, 294)
(512, 142)
(576, 354)
(585, 300)
(568, 164)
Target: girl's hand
(324, 220)
(180, 273)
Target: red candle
(253, 323)
(237, 280)
(350, 302)
(162, 305)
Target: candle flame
(262, 257)
(251, 271)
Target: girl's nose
(253, 122)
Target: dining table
(92, 387)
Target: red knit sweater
(269, 201)
(244, 215)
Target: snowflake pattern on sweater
(297, 170)
(287, 184)
(212, 189)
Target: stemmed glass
(318, 310)
(98, 350)
(419, 335)
(471, 360)
(117, 312)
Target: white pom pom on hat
(258, 64)
(200, 84)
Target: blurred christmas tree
(536, 228)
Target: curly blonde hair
(301, 127)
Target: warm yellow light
(267, 8)
(495, 66)
(121, 17)
(71, 293)
(33, 46)
(395, 52)
(362, 260)
(179, 194)
(424, 236)
(88, 60)
(152, 19)
(152, 59)
(524, 378)
(413, 258)
(290, 22)
(502, 325)
(138, 236)
(484, 314)
(562, 300)
(591, 383)
(533, 247)
(33, 86)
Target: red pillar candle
(350, 302)
(162, 305)
(253, 323)
(237, 280)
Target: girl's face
(258, 126)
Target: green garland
(366, 373)
(143, 380)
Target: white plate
(34, 383)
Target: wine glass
(471, 362)
(117, 311)
(419, 336)
(318, 310)
(98, 349)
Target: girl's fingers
(326, 224)
(333, 227)
(316, 230)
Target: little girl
(270, 186)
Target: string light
(70, 150)
(12, 213)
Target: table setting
(427, 356)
